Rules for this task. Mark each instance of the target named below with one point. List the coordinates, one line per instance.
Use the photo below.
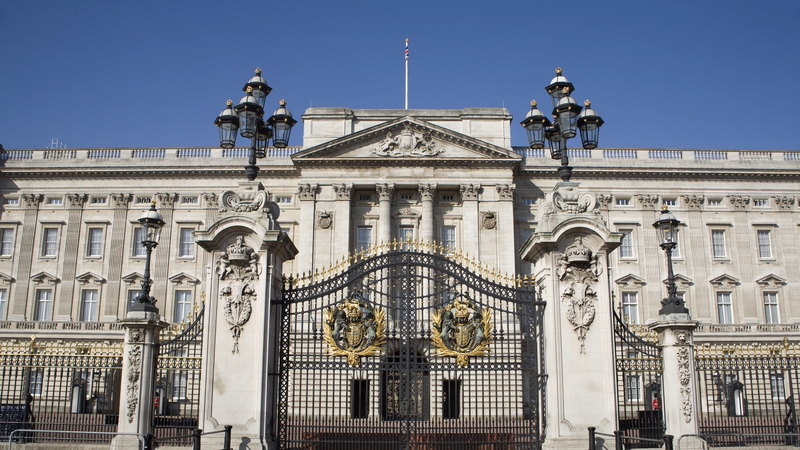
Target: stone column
(427, 192)
(385, 194)
(679, 392)
(505, 229)
(63, 307)
(18, 306)
(470, 220)
(341, 245)
(116, 255)
(140, 355)
(307, 194)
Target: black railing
(623, 441)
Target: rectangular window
(405, 234)
(448, 197)
(36, 382)
(676, 252)
(44, 305)
(527, 201)
(670, 202)
(359, 399)
(180, 382)
(186, 243)
(406, 196)
(12, 201)
(724, 308)
(448, 238)
(718, 243)
(89, 306)
(189, 200)
(633, 389)
(363, 238)
(764, 244)
(760, 202)
(98, 200)
(365, 197)
(771, 308)
(3, 301)
(142, 200)
(284, 199)
(451, 399)
(776, 386)
(138, 249)
(94, 245)
(714, 202)
(50, 242)
(55, 201)
(626, 248)
(630, 306)
(6, 242)
(623, 202)
(183, 304)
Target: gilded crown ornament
(355, 329)
(462, 330)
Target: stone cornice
(44, 173)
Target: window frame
(777, 386)
(360, 242)
(448, 244)
(3, 303)
(94, 301)
(627, 306)
(760, 246)
(723, 305)
(7, 235)
(136, 245)
(90, 243)
(47, 243)
(185, 306)
(48, 305)
(715, 245)
(774, 305)
(633, 388)
(186, 249)
(630, 247)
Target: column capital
(427, 191)
(211, 199)
(385, 191)
(648, 200)
(343, 191)
(31, 201)
(506, 191)
(166, 200)
(120, 200)
(307, 191)
(469, 191)
(76, 201)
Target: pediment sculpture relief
(407, 144)
(578, 270)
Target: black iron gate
(410, 350)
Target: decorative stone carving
(488, 220)
(506, 191)
(166, 200)
(31, 200)
(739, 201)
(250, 198)
(693, 201)
(648, 201)
(771, 281)
(470, 191)
(462, 330)
(684, 375)
(784, 202)
(725, 281)
(120, 200)
(307, 191)
(604, 200)
(427, 191)
(343, 191)
(355, 329)
(324, 219)
(89, 278)
(406, 212)
(238, 268)
(578, 270)
(211, 200)
(385, 191)
(566, 198)
(135, 364)
(76, 200)
(407, 144)
(44, 278)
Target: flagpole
(406, 73)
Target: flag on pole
(406, 49)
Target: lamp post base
(565, 172)
(251, 171)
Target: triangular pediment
(681, 280)
(44, 278)
(90, 278)
(630, 280)
(725, 281)
(183, 278)
(6, 279)
(405, 141)
(132, 278)
(771, 280)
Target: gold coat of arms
(355, 329)
(462, 330)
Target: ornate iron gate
(409, 350)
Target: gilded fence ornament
(355, 329)
(462, 330)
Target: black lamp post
(667, 227)
(568, 118)
(151, 223)
(248, 119)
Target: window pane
(187, 243)
(89, 308)
(724, 308)
(764, 247)
(95, 247)
(3, 294)
(630, 307)
(718, 243)
(626, 249)
(7, 243)
(676, 252)
(50, 243)
(405, 234)
(44, 302)
(138, 248)
(771, 308)
(183, 304)
(449, 238)
(632, 389)
(363, 238)
(776, 386)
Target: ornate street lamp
(568, 120)
(151, 223)
(248, 119)
(667, 227)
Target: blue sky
(673, 74)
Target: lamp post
(248, 119)
(667, 226)
(151, 223)
(567, 117)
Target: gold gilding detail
(355, 329)
(462, 330)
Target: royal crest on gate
(462, 330)
(355, 329)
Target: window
(7, 242)
(527, 201)
(405, 196)
(94, 245)
(189, 200)
(365, 197)
(12, 201)
(406, 233)
(186, 243)
(776, 386)
(714, 202)
(142, 200)
(180, 381)
(138, 249)
(764, 245)
(623, 202)
(44, 305)
(98, 200)
(761, 202)
(50, 242)
(3, 301)
(55, 201)
(626, 248)
(718, 243)
(630, 306)
(183, 304)
(724, 308)
(36, 382)
(676, 252)
(633, 389)
(359, 399)
(451, 399)
(363, 238)
(448, 237)
(89, 306)
(448, 197)
(670, 202)
(771, 308)
(284, 199)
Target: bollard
(226, 444)
(592, 442)
(196, 439)
(668, 441)
(617, 440)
